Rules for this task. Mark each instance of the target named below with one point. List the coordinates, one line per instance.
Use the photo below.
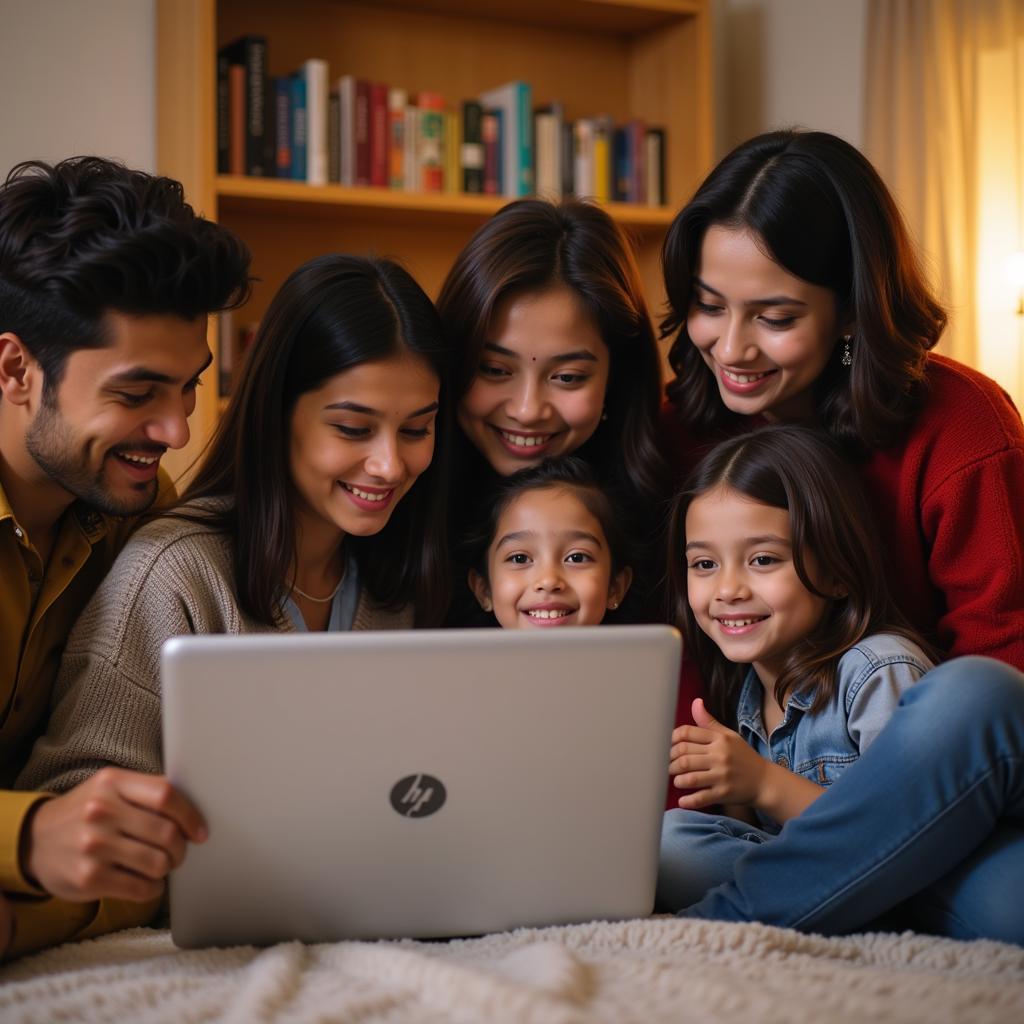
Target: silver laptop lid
(421, 783)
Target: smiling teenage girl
(795, 296)
(555, 354)
(319, 506)
(853, 779)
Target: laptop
(417, 784)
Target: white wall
(780, 63)
(77, 76)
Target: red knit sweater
(949, 500)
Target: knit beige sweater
(172, 578)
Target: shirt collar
(93, 524)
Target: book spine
(523, 139)
(315, 72)
(431, 143)
(333, 137)
(298, 93)
(453, 152)
(346, 86)
(655, 142)
(568, 158)
(622, 159)
(255, 105)
(584, 167)
(398, 100)
(283, 119)
(490, 129)
(362, 133)
(378, 134)
(411, 142)
(472, 153)
(236, 103)
(602, 159)
(638, 179)
(223, 116)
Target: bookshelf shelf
(647, 59)
(237, 193)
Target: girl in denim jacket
(781, 597)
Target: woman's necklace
(319, 600)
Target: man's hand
(714, 761)
(116, 835)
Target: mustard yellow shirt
(38, 607)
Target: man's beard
(54, 446)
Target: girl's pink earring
(847, 354)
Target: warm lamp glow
(1015, 269)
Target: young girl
(554, 355)
(552, 552)
(318, 507)
(776, 571)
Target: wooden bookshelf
(627, 58)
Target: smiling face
(765, 334)
(359, 442)
(549, 564)
(100, 434)
(540, 385)
(741, 581)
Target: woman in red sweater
(795, 295)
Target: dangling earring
(847, 359)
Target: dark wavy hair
(821, 211)
(797, 469)
(87, 236)
(530, 245)
(333, 313)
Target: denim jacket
(871, 677)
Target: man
(106, 280)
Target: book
(314, 71)
(490, 129)
(346, 88)
(431, 107)
(283, 121)
(334, 137)
(452, 130)
(547, 147)
(411, 143)
(602, 186)
(583, 171)
(655, 166)
(568, 154)
(398, 100)
(236, 120)
(514, 100)
(378, 134)
(223, 115)
(472, 152)
(250, 53)
(361, 133)
(297, 83)
(622, 161)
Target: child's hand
(714, 761)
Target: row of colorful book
(353, 131)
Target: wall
(77, 76)
(780, 63)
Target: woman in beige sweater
(319, 506)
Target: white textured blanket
(657, 969)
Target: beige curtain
(943, 126)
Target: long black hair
(821, 211)
(331, 314)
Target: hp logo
(416, 796)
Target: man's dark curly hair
(87, 236)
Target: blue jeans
(930, 817)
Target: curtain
(943, 124)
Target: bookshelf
(627, 58)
